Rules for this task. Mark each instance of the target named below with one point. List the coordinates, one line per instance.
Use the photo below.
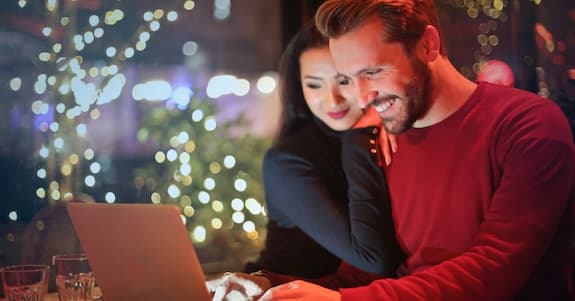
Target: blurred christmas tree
(84, 71)
(213, 177)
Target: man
(482, 186)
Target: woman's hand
(300, 291)
(388, 142)
(244, 286)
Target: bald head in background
(496, 72)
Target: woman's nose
(335, 98)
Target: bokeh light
(266, 84)
(240, 185)
(110, 197)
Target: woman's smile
(338, 114)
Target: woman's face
(324, 90)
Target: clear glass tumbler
(27, 282)
(74, 277)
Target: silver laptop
(139, 252)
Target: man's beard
(416, 102)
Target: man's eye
(344, 82)
(371, 73)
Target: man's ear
(430, 43)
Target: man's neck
(450, 91)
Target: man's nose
(365, 93)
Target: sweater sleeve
(345, 276)
(537, 162)
(299, 193)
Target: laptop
(139, 252)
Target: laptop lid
(139, 251)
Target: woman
(326, 195)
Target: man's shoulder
(512, 103)
(519, 116)
(509, 96)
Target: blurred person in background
(496, 72)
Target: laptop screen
(139, 251)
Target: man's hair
(404, 21)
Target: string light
(240, 185)
(237, 204)
(110, 197)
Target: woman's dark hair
(294, 109)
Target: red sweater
(483, 204)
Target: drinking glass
(27, 282)
(74, 277)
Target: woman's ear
(430, 43)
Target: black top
(309, 177)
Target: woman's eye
(313, 86)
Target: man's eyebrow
(342, 76)
(355, 74)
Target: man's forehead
(354, 56)
(368, 33)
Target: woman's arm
(363, 235)
(369, 201)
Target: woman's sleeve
(363, 235)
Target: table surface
(49, 297)
(54, 296)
